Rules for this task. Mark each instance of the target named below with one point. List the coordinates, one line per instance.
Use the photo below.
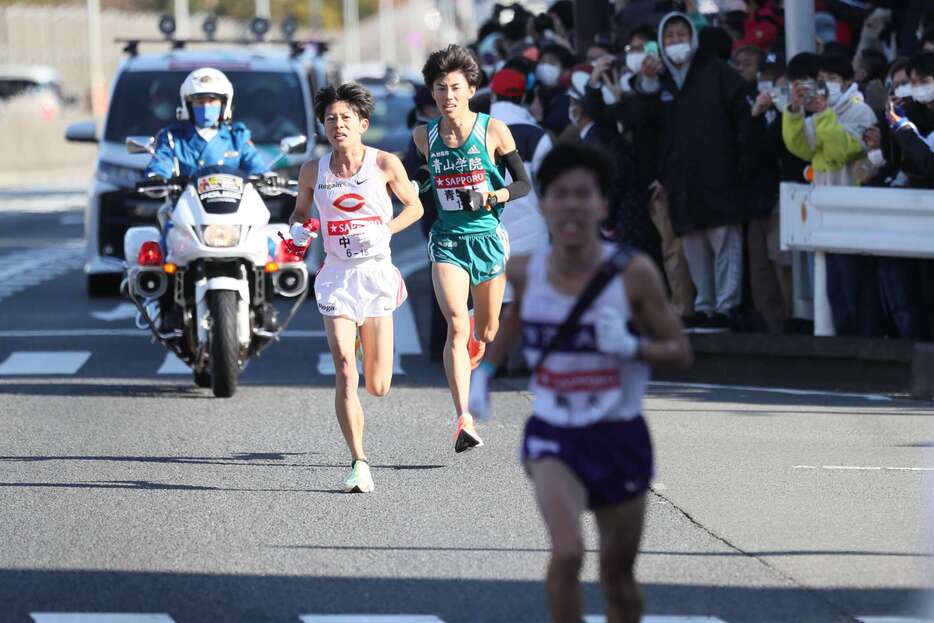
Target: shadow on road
(199, 598)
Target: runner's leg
(561, 499)
(452, 285)
(377, 338)
(620, 529)
(488, 302)
(342, 333)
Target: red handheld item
(312, 225)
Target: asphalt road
(127, 490)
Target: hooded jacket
(699, 112)
(832, 141)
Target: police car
(272, 98)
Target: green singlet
(466, 167)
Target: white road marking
(94, 617)
(77, 333)
(43, 362)
(893, 620)
(369, 618)
(659, 486)
(123, 311)
(326, 365)
(867, 468)
(24, 269)
(119, 333)
(44, 204)
(774, 390)
(173, 365)
(660, 618)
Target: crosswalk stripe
(173, 365)
(39, 267)
(369, 618)
(326, 365)
(95, 617)
(44, 362)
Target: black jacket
(699, 128)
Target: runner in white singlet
(358, 288)
(586, 445)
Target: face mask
(678, 52)
(206, 115)
(903, 91)
(834, 91)
(634, 61)
(923, 93)
(548, 74)
(765, 85)
(875, 157)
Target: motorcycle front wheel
(225, 348)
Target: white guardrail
(849, 219)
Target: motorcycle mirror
(293, 144)
(140, 144)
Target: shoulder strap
(612, 267)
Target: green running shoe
(360, 480)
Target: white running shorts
(359, 291)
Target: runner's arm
(402, 188)
(510, 328)
(664, 342)
(306, 192)
(505, 149)
(420, 136)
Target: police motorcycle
(222, 268)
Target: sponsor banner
(344, 228)
(579, 381)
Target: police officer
(204, 134)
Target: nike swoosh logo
(360, 181)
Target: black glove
(471, 200)
(152, 180)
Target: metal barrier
(849, 219)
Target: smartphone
(651, 48)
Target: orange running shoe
(465, 435)
(475, 348)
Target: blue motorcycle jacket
(231, 147)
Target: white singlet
(577, 385)
(355, 282)
(345, 205)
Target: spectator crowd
(705, 116)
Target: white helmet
(206, 80)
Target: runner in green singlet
(467, 246)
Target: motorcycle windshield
(219, 189)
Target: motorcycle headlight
(221, 235)
(118, 175)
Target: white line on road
(773, 390)
(326, 365)
(24, 269)
(893, 620)
(93, 617)
(660, 618)
(369, 618)
(118, 333)
(867, 468)
(43, 362)
(123, 311)
(173, 365)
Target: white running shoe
(360, 480)
(465, 435)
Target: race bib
(448, 184)
(342, 238)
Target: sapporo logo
(350, 202)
